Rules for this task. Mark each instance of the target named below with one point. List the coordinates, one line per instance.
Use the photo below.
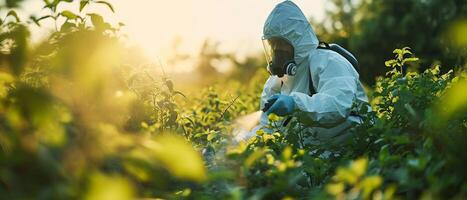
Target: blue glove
(281, 105)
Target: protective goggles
(279, 56)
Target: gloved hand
(281, 105)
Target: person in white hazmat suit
(294, 58)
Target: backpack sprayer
(249, 121)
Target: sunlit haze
(157, 25)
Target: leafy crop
(77, 122)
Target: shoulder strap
(323, 45)
(311, 87)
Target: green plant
(77, 122)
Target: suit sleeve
(336, 92)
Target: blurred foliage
(369, 28)
(82, 117)
(240, 69)
(65, 106)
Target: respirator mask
(279, 56)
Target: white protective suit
(335, 80)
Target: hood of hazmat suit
(327, 113)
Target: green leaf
(390, 63)
(397, 51)
(406, 50)
(414, 59)
(178, 156)
(108, 5)
(66, 26)
(179, 93)
(69, 15)
(13, 14)
(12, 3)
(252, 158)
(98, 22)
(96, 18)
(53, 5)
(103, 186)
(44, 17)
(335, 188)
(211, 136)
(34, 19)
(37, 20)
(83, 4)
(359, 166)
(369, 184)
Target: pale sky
(155, 24)
(236, 24)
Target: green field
(82, 117)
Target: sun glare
(164, 28)
(157, 26)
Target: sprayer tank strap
(311, 88)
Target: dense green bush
(76, 122)
(371, 28)
(401, 151)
